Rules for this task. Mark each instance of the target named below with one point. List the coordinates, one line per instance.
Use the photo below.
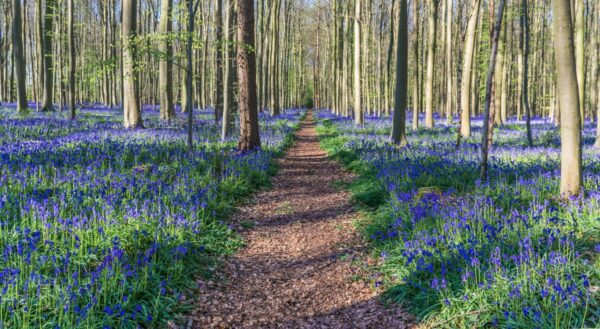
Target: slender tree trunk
(358, 113)
(388, 86)
(189, 69)
(273, 58)
(165, 27)
(246, 58)
(72, 59)
(416, 90)
(229, 74)
(131, 96)
(48, 101)
(449, 74)
(486, 139)
(431, 44)
(580, 54)
(219, 62)
(466, 90)
(500, 86)
(568, 95)
(19, 56)
(398, 136)
(525, 70)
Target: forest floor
(299, 267)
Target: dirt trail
(295, 270)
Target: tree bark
(165, 27)
(219, 62)
(431, 44)
(228, 107)
(398, 136)
(466, 90)
(449, 74)
(568, 95)
(72, 59)
(358, 113)
(19, 56)
(486, 139)
(132, 115)
(189, 69)
(580, 54)
(525, 70)
(48, 100)
(416, 97)
(246, 57)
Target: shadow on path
(296, 270)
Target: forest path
(295, 270)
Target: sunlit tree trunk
(469, 50)
(228, 100)
(416, 93)
(580, 54)
(219, 62)
(449, 75)
(358, 112)
(48, 100)
(525, 69)
(431, 44)
(167, 111)
(131, 96)
(72, 59)
(568, 95)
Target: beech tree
(48, 102)
(432, 13)
(19, 56)
(401, 91)
(167, 111)
(358, 111)
(488, 120)
(228, 103)
(132, 114)
(72, 59)
(465, 124)
(246, 61)
(568, 95)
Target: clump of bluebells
(102, 227)
(508, 252)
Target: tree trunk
(132, 114)
(568, 95)
(580, 54)
(48, 101)
(165, 27)
(72, 62)
(398, 136)
(228, 107)
(449, 61)
(486, 139)
(416, 97)
(189, 69)
(219, 62)
(525, 68)
(358, 113)
(19, 56)
(466, 90)
(39, 50)
(249, 135)
(431, 44)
